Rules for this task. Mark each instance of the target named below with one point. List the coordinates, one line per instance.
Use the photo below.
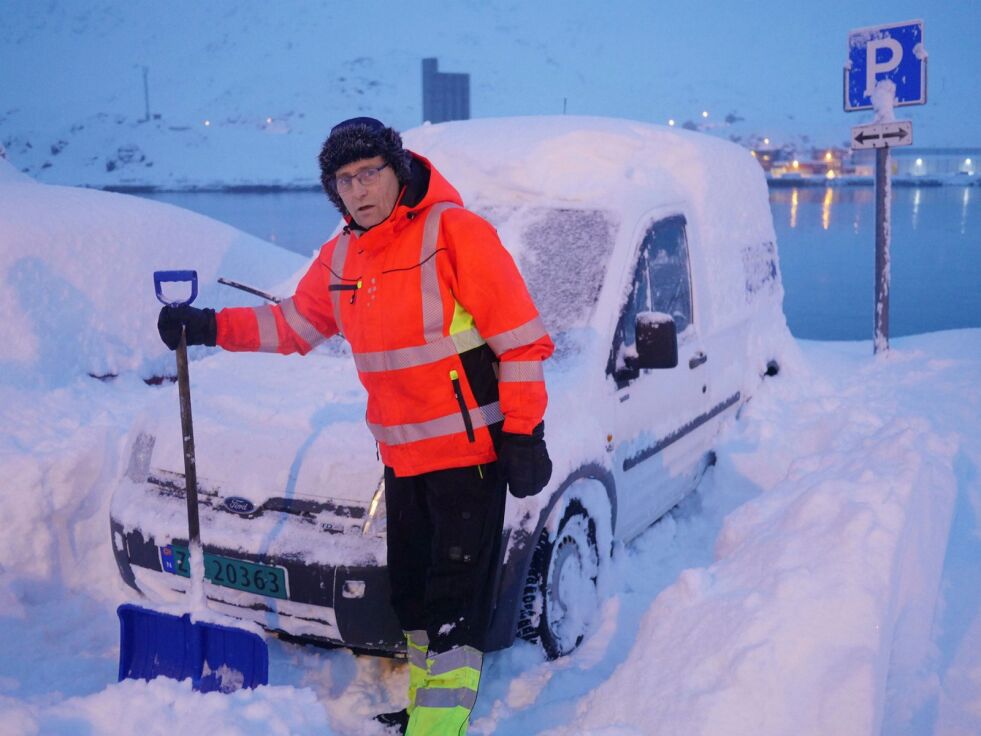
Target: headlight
(377, 521)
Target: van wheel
(561, 598)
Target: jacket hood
(425, 194)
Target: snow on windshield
(562, 254)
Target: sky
(775, 67)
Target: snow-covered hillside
(243, 92)
(823, 579)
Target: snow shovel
(152, 643)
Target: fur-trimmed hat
(356, 139)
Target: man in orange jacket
(449, 345)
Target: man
(449, 346)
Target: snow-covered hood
(270, 426)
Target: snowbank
(794, 592)
(816, 614)
(276, 711)
(77, 269)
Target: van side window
(661, 283)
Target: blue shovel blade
(215, 657)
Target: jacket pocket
(467, 422)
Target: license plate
(229, 572)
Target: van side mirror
(657, 340)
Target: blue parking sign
(894, 52)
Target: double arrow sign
(882, 135)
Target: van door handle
(697, 359)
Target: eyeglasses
(365, 177)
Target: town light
(827, 156)
(671, 122)
(705, 113)
(830, 174)
(268, 121)
(795, 164)
(207, 123)
(766, 141)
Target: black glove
(201, 326)
(524, 461)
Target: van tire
(561, 597)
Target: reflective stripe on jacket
(430, 301)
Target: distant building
(921, 162)
(816, 162)
(445, 96)
(790, 164)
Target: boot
(444, 700)
(416, 648)
(397, 720)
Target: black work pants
(444, 547)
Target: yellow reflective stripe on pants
(444, 701)
(416, 648)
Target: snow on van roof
(624, 167)
(574, 159)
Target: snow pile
(77, 270)
(797, 591)
(792, 592)
(817, 610)
(815, 616)
(799, 584)
(277, 711)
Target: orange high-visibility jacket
(445, 337)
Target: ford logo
(239, 505)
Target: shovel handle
(161, 277)
(187, 429)
(184, 391)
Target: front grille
(332, 516)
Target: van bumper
(338, 606)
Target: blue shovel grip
(159, 277)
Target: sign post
(886, 68)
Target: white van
(651, 255)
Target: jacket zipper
(455, 378)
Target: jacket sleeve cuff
(519, 425)
(236, 329)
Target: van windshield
(562, 254)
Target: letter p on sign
(875, 67)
